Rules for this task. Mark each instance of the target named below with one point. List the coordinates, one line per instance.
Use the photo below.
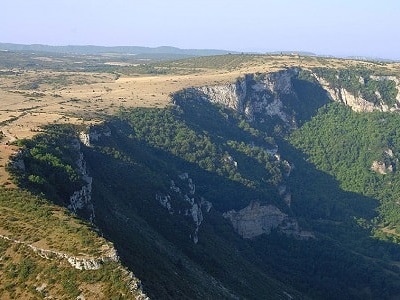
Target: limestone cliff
(93, 134)
(82, 262)
(356, 101)
(257, 219)
(183, 200)
(258, 96)
(263, 95)
(81, 200)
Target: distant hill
(90, 49)
(304, 53)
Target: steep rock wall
(261, 95)
(81, 200)
(357, 102)
(257, 219)
(183, 200)
(93, 134)
(255, 95)
(341, 95)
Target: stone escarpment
(268, 95)
(86, 262)
(257, 219)
(356, 101)
(83, 262)
(81, 200)
(183, 200)
(93, 134)
(387, 164)
(257, 96)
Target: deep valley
(221, 177)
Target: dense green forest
(345, 144)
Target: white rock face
(230, 95)
(357, 103)
(389, 152)
(261, 95)
(93, 134)
(165, 201)
(206, 204)
(381, 168)
(280, 82)
(185, 194)
(254, 96)
(257, 219)
(197, 216)
(82, 199)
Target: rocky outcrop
(257, 219)
(78, 262)
(381, 167)
(86, 262)
(81, 200)
(231, 95)
(341, 95)
(285, 194)
(387, 164)
(134, 284)
(93, 134)
(17, 161)
(357, 102)
(165, 201)
(184, 200)
(257, 96)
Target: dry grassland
(31, 99)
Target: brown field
(33, 98)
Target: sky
(340, 28)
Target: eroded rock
(257, 219)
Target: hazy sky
(341, 27)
